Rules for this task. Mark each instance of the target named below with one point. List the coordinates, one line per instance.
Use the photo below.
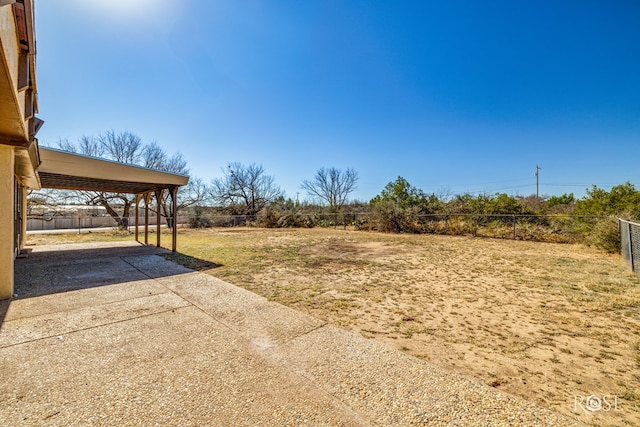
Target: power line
(578, 185)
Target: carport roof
(69, 171)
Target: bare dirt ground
(554, 323)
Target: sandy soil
(549, 322)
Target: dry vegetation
(543, 321)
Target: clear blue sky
(451, 95)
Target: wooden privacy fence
(84, 222)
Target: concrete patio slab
(138, 340)
(73, 300)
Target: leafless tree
(244, 189)
(154, 157)
(123, 147)
(193, 193)
(48, 201)
(332, 186)
(87, 145)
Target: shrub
(361, 223)
(387, 216)
(295, 219)
(605, 235)
(199, 219)
(272, 217)
(268, 218)
(462, 225)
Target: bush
(277, 218)
(295, 219)
(199, 219)
(387, 216)
(361, 223)
(268, 218)
(462, 225)
(605, 235)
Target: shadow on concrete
(4, 307)
(63, 268)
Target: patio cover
(69, 171)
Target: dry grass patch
(543, 321)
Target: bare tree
(48, 202)
(154, 157)
(244, 189)
(117, 205)
(123, 147)
(332, 186)
(193, 193)
(87, 145)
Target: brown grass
(543, 321)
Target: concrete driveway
(114, 334)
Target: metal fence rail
(559, 228)
(630, 243)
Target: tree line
(242, 189)
(247, 189)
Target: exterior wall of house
(18, 146)
(7, 208)
(11, 54)
(9, 42)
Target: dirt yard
(554, 323)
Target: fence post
(631, 247)
(514, 228)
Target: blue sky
(454, 96)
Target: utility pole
(537, 185)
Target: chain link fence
(630, 244)
(545, 228)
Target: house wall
(9, 42)
(7, 208)
(11, 52)
(18, 147)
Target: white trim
(71, 164)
